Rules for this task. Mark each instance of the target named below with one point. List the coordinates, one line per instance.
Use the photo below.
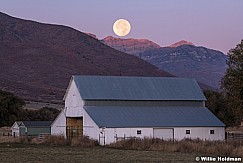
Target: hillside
(206, 65)
(130, 46)
(37, 60)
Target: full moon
(121, 27)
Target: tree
(232, 82)
(43, 114)
(10, 108)
(218, 104)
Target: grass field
(58, 149)
(40, 153)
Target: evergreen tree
(218, 104)
(43, 114)
(232, 83)
(10, 108)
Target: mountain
(130, 46)
(182, 59)
(205, 65)
(180, 43)
(37, 60)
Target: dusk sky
(216, 24)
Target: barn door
(164, 133)
(102, 139)
(74, 127)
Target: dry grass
(216, 148)
(24, 139)
(8, 139)
(54, 140)
(59, 140)
(221, 148)
(84, 142)
(58, 149)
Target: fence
(234, 136)
(42, 136)
(125, 138)
(103, 142)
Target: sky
(216, 24)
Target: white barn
(107, 108)
(15, 128)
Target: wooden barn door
(74, 127)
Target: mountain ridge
(205, 65)
(130, 45)
(196, 62)
(37, 60)
(180, 43)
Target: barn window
(211, 131)
(139, 132)
(188, 132)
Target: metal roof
(137, 88)
(37, 123)
(134, 116)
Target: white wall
(73, 108)
(89, 127)
(93, 131)
(163, 133)
(73, 101)
(15, 129)
(200, 132)
(58, 126)
(111, 133)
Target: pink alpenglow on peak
(130, 45)
(182, 42)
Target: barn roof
(37, 123)
(134, 116)
(17, 124)
(137, 88)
